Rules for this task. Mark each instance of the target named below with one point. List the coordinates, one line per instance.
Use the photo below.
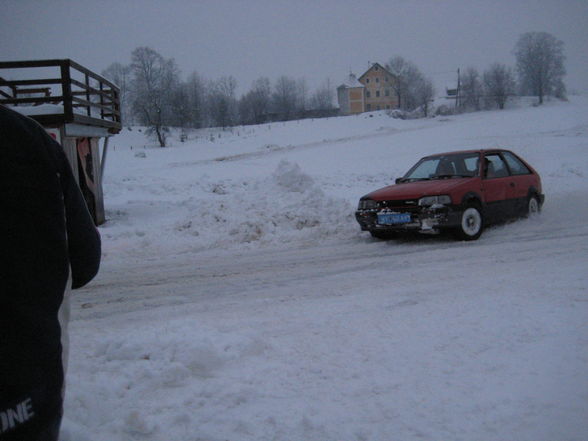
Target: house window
(387, 92)
(376, 68)
(378, 108)
(377, 80)
(367, 80)
(377, 93)
(368, 94)
(369, 107)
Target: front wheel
(383, 235)
(472, 223)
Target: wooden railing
(86, 97)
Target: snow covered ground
(238, 299)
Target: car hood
(416, 190)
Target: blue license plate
(393, 218)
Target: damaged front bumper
(427, 220)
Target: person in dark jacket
(48, 244)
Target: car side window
(516, 165)
(495, 167)
(471, 165)
(445, 167)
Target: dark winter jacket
(45, 229)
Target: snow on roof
(43, 109)
(53, 109)
(351, 81)
(376, 66)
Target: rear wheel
(533, 206)
(472, 223)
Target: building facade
(374, 90)
(379, 88)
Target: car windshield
(457, 165)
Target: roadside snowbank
(285, 207)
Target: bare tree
(284, 97)
(499, 84)
(540, 64)
(154, 81)
(254, 106)
(180, 106)
(301, 94)
(406, 74)
(222, 104)
(424, 93)
(471, 89)
(408, 81)
(323, 97)
(400, 68)
(246, 109)
(195, 94)
(227, 86)
(120, 75)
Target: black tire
(533, 206)
(383, 235)
(472, 223)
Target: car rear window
(517, 167)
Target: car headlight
(367, 204)
(427, 201)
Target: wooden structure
(76, 106)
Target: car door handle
(512, 184)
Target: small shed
(351, 96)
(76, 106)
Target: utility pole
(457, 103)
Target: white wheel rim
(533, 206)
(471, 221)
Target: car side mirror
(398, 180)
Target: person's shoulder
(22, 131)
(10, 115)
(17, 125)
(25, 141)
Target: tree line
(539, 72)
(153, 94)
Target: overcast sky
(314, 39)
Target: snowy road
(240, 275)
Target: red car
(461, 192)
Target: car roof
(465, 151)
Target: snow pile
(291, 179)
(289, 206)
(286, 206)
(186, 365)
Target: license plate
(393, 218)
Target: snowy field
(238, 300)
